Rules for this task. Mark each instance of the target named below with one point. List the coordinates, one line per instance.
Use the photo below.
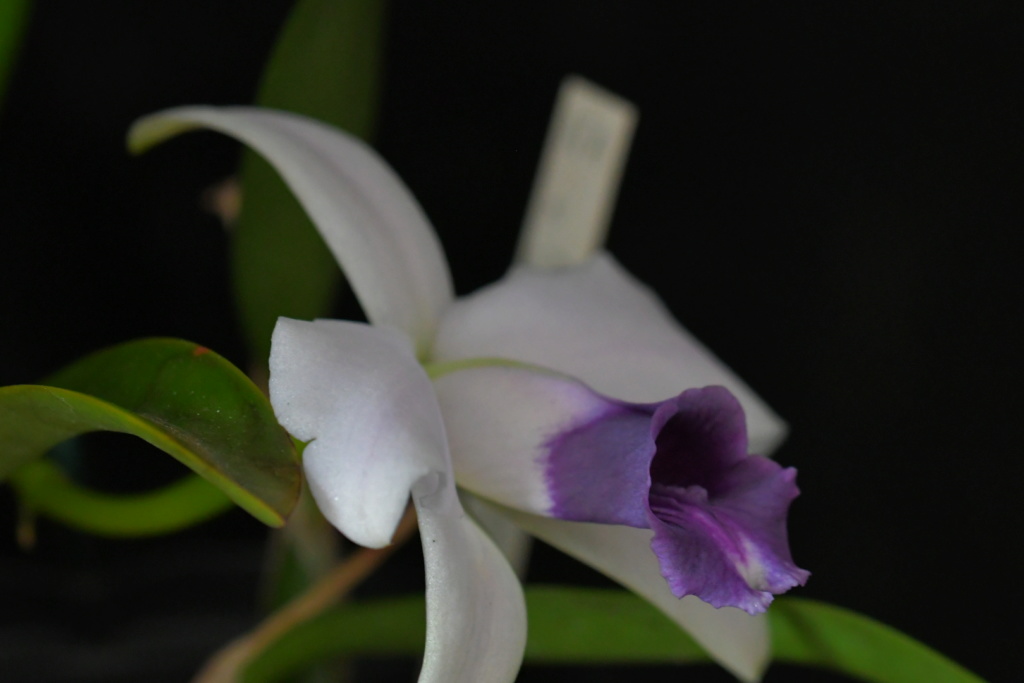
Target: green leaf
(44, 488)
(13, 17)
(829, 637)
(180, 397)
(600, 627)
(325, 65)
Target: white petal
(597, 323)
(735, 639)
(365, 402)
(476, 615)
(369, 219)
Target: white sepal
(369, 219)
(599, 324)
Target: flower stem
(229, 662)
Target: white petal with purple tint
(498, 419)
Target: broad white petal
(476, 615)
(597, 323)
(369, 219)
(359, 395)
(735, 639)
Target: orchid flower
(567, 398)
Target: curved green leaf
(325, 65)
(45, 489)
(178, 396)
(594, 626)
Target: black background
(827, 194)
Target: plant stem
(229, 662)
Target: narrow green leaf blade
(830, 637)
(325, 65)
(600, 627)
(178, 396)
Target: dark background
(827, 194)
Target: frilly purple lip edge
(681, 468)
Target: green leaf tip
(178, 396)
(826, 636)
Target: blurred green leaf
(829, 637)
(180, 397)
(325, 65)
(13, 18)
(45, 489)
(600, 627)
